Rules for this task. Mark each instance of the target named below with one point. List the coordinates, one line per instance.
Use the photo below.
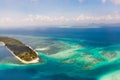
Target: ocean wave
(42, 49)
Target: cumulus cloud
(117, 2)
(40, 20)
(33, 20)
(104, 1)
(103, 19)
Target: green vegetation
(19, 49)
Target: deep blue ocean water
(68, 54)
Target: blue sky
(58, 12)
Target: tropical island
(22, 52)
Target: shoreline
(23, 61)
(2, 43)
(36, 60)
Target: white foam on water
(2, 44)
(42, 49)
(66, 53)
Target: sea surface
(68, 54)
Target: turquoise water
(64, 59)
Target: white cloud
(110, 18)
(39, 20)
(104, 1)
(117, 2)
(33, 20)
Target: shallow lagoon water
(64, 58)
